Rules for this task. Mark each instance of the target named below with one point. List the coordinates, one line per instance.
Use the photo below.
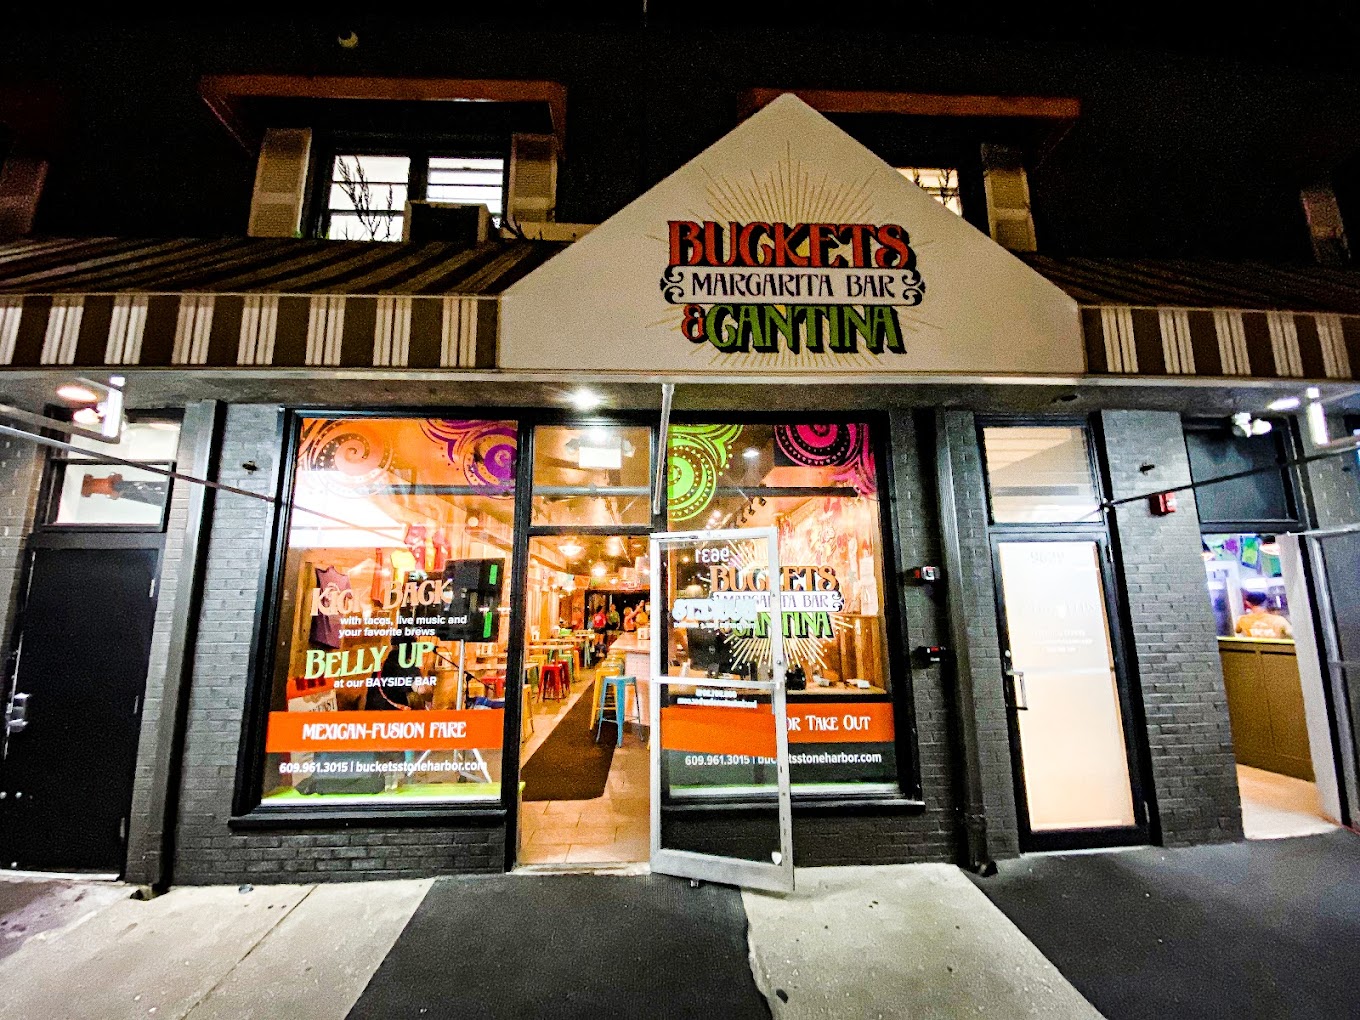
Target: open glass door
(716, 701)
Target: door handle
(1018, 686)
(16, 715)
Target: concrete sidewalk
(914, 941)
(899, 941)
(216, 952)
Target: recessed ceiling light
(1284, 404)
(77, 394)
(585, 399)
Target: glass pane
(1075, 762)
(376, 198)
(719, 741)
(831, 553)
(1039, 474)
(394, 613)
(940, 183)
(113, 493)
(1246, 586)
(1215, 452)
(593, 475)
(372, 169)
(368, 227)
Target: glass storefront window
(817, 484)
(594, 476)
(1039, 474)
(103, 494)
(394, 613)
(1246, 586)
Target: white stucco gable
(787, 247)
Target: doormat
(570, 765)
(566, 947)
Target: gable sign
(788, 248)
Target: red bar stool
(553, 682)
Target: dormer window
(940, 183)
(367, 195)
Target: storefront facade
(992, 658)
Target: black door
(84, 643)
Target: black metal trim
(1140, 830)
(377, 816)
(807, 807)
(1119, 622)
(515, 647)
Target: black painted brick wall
(1175, 649)
(207, 850)
(984, 644)
(146, 832)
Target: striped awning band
(1126, 340)
(246, 265)
(257, 330)
(1183, 283)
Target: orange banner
(384, 731)
(704, 729)
(713, 729)
(843, 722)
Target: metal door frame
(1322, 670)
(776, 876)
(1074, 839)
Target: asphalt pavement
(1265, 929)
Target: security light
(1245, 425)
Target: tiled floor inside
(611, 829)
(1276, 806)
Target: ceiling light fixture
(598, 570)
(750, 453)
(570, 549)
(585, 399)
(1284, 404)
(77, 394)
(87, 416)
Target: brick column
(1174, 642)
(973, 576)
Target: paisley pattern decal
(698, 455)
(843, 447)
(355, 457)
(483, 451)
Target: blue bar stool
(619, 685)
